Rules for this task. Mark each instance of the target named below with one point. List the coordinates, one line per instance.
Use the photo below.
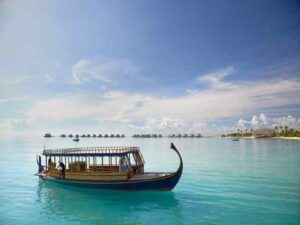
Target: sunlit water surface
(223, 182)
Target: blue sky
(148, 66)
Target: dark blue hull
(165, 183)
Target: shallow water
(224, 182)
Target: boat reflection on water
(104, 206)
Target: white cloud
(191, 91)
(215, 80)
(241, 124)
(49, 77)
(254, 121)
(171, 112)
(263, 118)
(106, 71)
(9, 124)
(12, 80)
(164, 123)
(11, 99)
(84, 71)
(289, 121)
(264, 121)
(257, 122)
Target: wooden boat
(118, 168)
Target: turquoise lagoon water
(224, 182)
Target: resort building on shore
(263, 133)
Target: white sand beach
(289, 138)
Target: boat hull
(163, 183)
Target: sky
(143, 66)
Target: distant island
(276, 132)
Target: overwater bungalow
(63, 135)
(112, 135)
(185, 135)
(136, 136)
(70, 135)
(199, 136)
(94, 135)
(178, 135)
(123, 135)
(88, 135)
(99, 135)
(106, 135)
(118, 135)
(76, 139)
(117, 168)
(47, 135)
(77, 135)
(192, 135)
(83, 136)
(154, 135)
(159, 135)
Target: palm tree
(276, 130)
(280, 129)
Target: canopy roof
(92, 151)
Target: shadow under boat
(158, 181)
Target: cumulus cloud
(254, 121)
(263, 118)
(289, 121)
(264, 121)
(103, 71)
(242, 124)
(260, 121)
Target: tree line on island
(170, 136)
(278, 131)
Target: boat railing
(92, 150)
